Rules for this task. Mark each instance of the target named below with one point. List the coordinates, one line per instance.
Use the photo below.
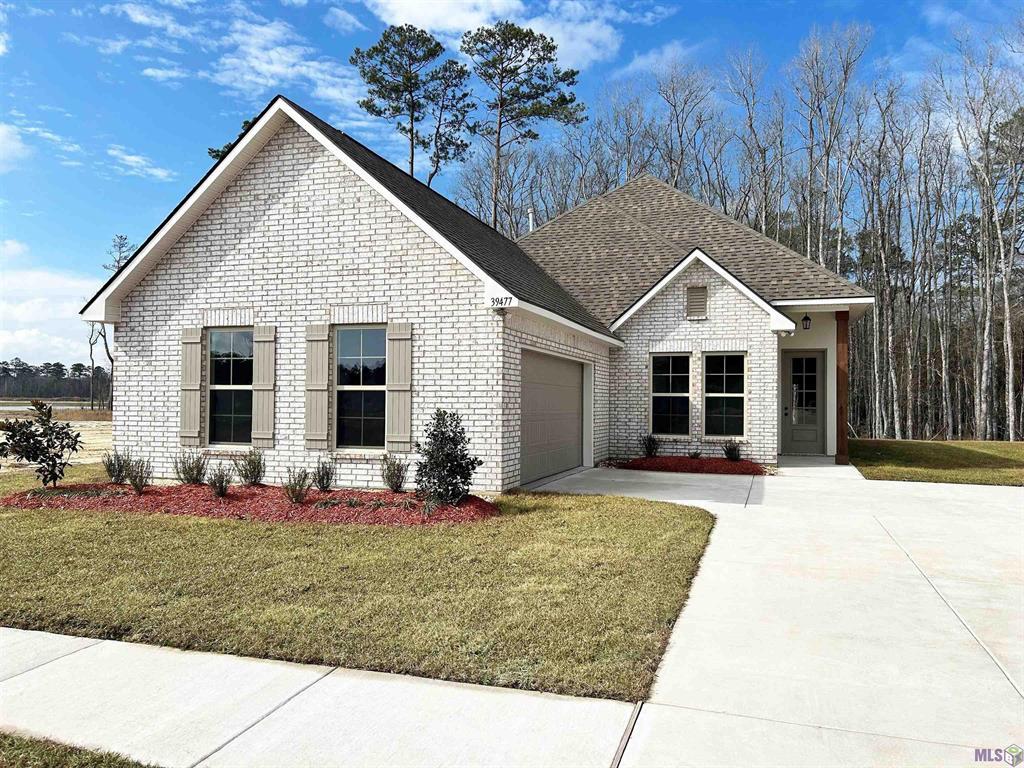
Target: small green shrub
(116, 466)
(376, 505)
(323, 475)
(190, 467)
(140, 475)
(649, 444)
(393, 472)
(446, 471)
(251, 466)
(352, 501)
(694, 454)
(220, 481)
(42, 441)
(731, 449)
(297, 486)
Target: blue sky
(106, 109)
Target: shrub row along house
(311, 299)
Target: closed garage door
(552, 407)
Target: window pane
(680, 383)
(348, 343)
(661, 383)
(733, 425)
(662, 405)
(714, 364)
(242, 432)
(670, 415)
(661, 364)
(374, 342)
(220, 344)
(373, 404)
(373, 433)
(811, 364)
(220, 429)
(221, 371)
(241, 372)
(350, 432)
(723, 416)
(798, 365)
(350, 404)
(242, 402)
(680, 424)
(732, 406)
(680, 364)
(734, 364)
(220, 402)
(373, 371)
(734, 383)
(241, 343)
(348, 371)
(661, 424)
(714, 383)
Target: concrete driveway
(838, 621)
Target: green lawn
(571, 594)
(933, 461)
(21, 752)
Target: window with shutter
(398, 427)
(318, 366)
(263, 385)
(191, 385)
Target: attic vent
(696, 302)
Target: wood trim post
(842, 386)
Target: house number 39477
(501, 301)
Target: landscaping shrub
(323, 475)
(393, 472)
(297, 486)
(190, 468)
(220, 481)
(251, 466)
(694, 454)
(116, 466)
(41, 441)
(140, 475)
(649, 444)
(446, 471)
(731, 449)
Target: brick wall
(299, 239)
(734, 324)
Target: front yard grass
(932, 461)
(569, 594)
(22, 752)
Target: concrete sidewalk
(183, 708)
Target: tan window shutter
(318, 377)
(696, 301)
(191, 385)
(398, 429)
(263, 386)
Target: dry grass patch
(571, 594)
(935, 461)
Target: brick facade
(733, 324)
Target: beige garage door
(551, 437)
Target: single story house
(310, 298)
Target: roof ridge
(736, 222)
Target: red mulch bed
(712, 466)
(262, 502)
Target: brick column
(842, 385)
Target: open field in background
(933, 461)
(569, 594)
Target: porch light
(806, 322)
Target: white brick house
(311, 299)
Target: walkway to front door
(803, 402)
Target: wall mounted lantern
(806, 322)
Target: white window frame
(357, 387)
(705, 395)
(651, 394)
(210, 386)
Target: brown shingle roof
(611, 250)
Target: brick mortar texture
(734, 324)
(295, 233)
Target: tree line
(48, 381)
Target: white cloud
(295, 3)
(12, 148)
(342, 21)
(39, 314)
(5, 38)
(271, 56)
(129, 164)
(114, 46)
(12, 249)
(154, 18)
(585, 32)
(164, 74)
(659, 58)
(455, 16)
(63, 144)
